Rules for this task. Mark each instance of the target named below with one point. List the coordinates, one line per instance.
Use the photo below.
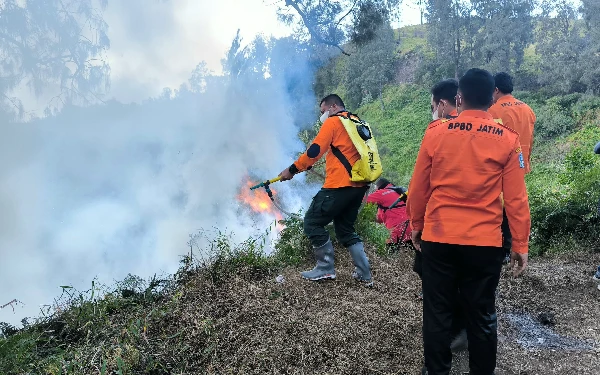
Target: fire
(258, 200)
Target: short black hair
(332, 99)
(504, 82)
(477, 87)
(446, 90)
(381, 183)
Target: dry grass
(253, 325)
(340, 327)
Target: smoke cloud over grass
(118, 188)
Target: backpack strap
(338, 154)
(336, 151)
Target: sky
(185, 32)
(105, 194)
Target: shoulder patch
(498, 121)
(518, 150)
(435, 123)
(521, 160)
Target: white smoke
(118, 188)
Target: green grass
(399, 128)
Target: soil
(548, 321)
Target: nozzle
(266, 183)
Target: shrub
(553, 121)
(570, 213)
(371, 231)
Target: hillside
(236, 318)
(229, 315)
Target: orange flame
(258, 200)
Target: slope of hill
(235, 318)
(230, 315)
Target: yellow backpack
(368, 168)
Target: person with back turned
(339, 199)
(518, 116)
(455, 213)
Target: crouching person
(339, 199)
(391, 210)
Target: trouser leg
(478, 276)
(320, 213)
(418, 263)
(506, 235)
(341, 206)
(348, 201)
(439, 298)
(343, 224)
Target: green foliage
(293, 246)
(399, 128)
(569, 210)
(370, 68)
(372, 232)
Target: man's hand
(286, 175)
(416, 239)
(520, 260)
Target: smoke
(118, 188)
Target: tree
(371, 68)
(327, 22)
(591, 56)
(505, 29)
(47, 43)
(561, 42)
(447, 27)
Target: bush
(371, 231)
(553, 121)
(570, 213)
(293, 246)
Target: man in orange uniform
(443, 100)
(455, 212)
(520, 117)
(339, 199)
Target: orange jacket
(334, 134)
(520, 117)
(462, 167)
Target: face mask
(434, 114)
(324, 116)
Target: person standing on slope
(443, 101)
(443, 109)
(339, 199)
(518, 116)
(455, 213)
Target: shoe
(424, 371)
(460, 342)
(324, 270)
(362, 269)
(367, 283)
(597, 275)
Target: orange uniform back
(463, 166)
(520, 117)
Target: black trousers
(506, 235)
(458, 316)
(340, 205)
(475, 271)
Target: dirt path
(339, 327)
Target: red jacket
(394, 219)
